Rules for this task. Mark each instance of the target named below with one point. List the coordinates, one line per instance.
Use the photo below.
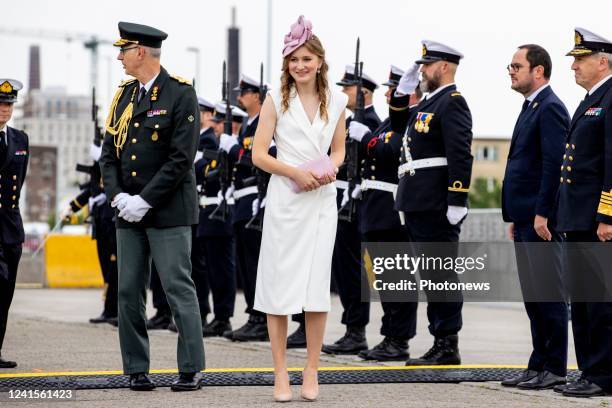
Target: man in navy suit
(530, 186)
(14, 154)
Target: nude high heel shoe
(282, 396)
(310, 394)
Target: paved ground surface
(48, 332)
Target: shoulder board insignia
(180, 80)
(127, 82)
(456, 94)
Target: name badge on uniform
(593, 112)
(156, 112)
(422, 122)
(21, 153)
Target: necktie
(2, 145)
(141, 93)
(525, 106)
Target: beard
(522, 87)
(430, 84)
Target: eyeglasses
(123, 50)
(514, 67)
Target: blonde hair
(287, 82)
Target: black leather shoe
(141, 382)
(445, 351)
(100, 319)
(525, 375)
(353, 341)
(160, 321)
(187, 382)
(216, 328)
(172, 327)
(7, 363)
(583, 388)
(560, 388)
(390, 349)
(545, 380)
(297, 339)
(255, 329)
(113, 321)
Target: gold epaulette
(457, 187)
(456, 94)
(127, 82)
(605, 203)
(181, 80)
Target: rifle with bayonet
(256, 222)
(221, 212)
(348, 210)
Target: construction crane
(89, 41)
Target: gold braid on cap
(119, 129)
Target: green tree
(485, 194)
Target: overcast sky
(487, 32)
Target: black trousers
(399, 318)
(346, 273)
(540, 264)
(9, 261)
(106, 243)
(248, 244)
(432, 226)
(220, 273)
(591, 321)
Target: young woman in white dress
(306, 120)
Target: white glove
(356, 193)
(95, 152)
(229, 193)
(227, 142)
(263, 203)
(357, 130)
(120, 201)
(97, 200)
(219, 197)
(409, 81)
(66, 212)
(454, 214)
(255, 207)
(198, 156)
(135, 209)
(345, 197)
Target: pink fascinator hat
(301, 31)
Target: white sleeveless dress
(299, 229)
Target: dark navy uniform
(214, 238)
(14, 155)
(434, 174)
(104, 233)
(346, 260)
(531, 183)
(585, 200)
(379, 222)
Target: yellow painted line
(270, 369)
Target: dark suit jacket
(156, 161)
(585, 194)
(13, 169)
(531, 180)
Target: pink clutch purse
(321, 166)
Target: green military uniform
(148, 151)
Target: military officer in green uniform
(147, 167)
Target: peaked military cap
(205, 105)
(394, 76)
(587, 42)
(237, 114)
(349, 79)
(132, 33)
(248, 84)
(9, 89)
(434, 51)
